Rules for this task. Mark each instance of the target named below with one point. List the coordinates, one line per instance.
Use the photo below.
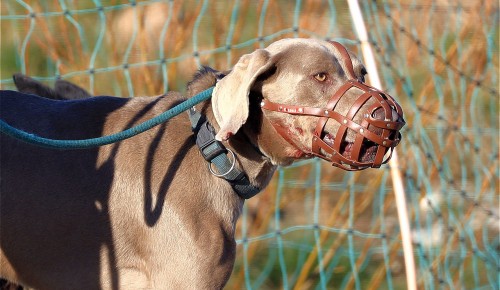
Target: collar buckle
(209, 147)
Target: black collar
(216, 154)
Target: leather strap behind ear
(230, 98)
(346, 57)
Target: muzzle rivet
(345, 121)
(361, 130)
(262, 104)
(281, 108)
(301, 110)
(326, 112)
(388, 125)
(384, 143)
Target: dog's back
(63, 90)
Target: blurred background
(315, 226)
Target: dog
(152, 211)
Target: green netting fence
(315, 226)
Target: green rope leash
(105, 140)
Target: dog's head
(312, 93)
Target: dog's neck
(245, 143)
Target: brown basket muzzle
(376, 133)
(382, 133)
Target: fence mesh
(314, 227)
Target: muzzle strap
(346, 57)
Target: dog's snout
(379, 114)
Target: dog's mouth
(367, 152)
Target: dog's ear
(230, 97)
(69, 91)
(27, 85)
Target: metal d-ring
(229, 170)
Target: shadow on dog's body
(103, 239)
(146, 213)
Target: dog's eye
(321, 77)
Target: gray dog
(156, 211)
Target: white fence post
(404, 224)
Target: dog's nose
(379, 114)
